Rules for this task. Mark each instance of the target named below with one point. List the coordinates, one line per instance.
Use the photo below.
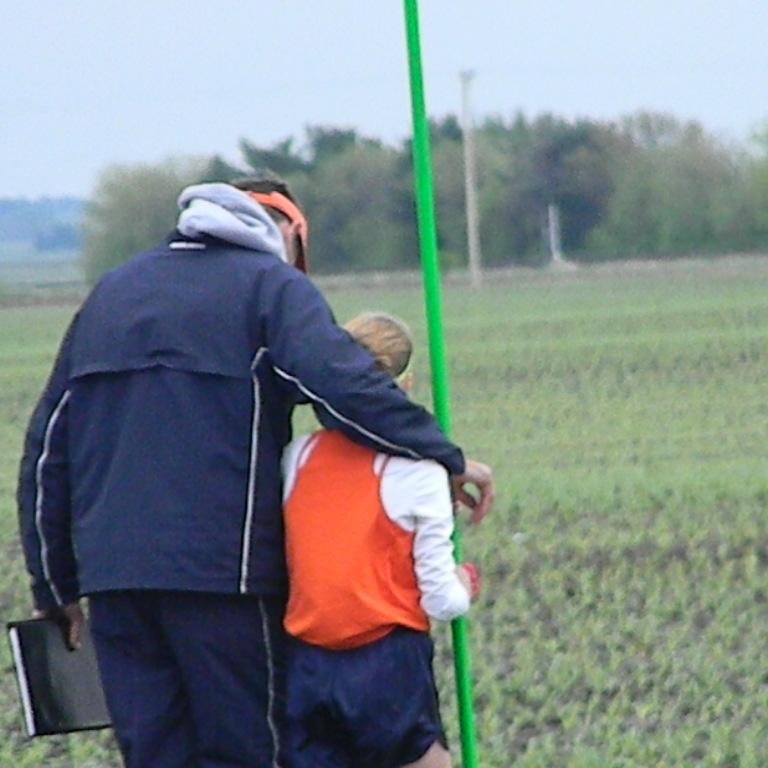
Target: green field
(625, 412)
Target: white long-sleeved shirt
(416, 497)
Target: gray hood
(229, 214)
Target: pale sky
(87, 83)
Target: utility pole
(470, 180)
(557, 260)
(553, 232)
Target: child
(370, 559)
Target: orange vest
(351, 571)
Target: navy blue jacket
(152, 460)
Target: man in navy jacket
(151, 474)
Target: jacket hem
(223, 587)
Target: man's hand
(480, 476)
(469, 576)
(71, 616)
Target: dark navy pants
(371, 707)
(193, 680)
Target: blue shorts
(374, 706)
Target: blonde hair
(387, 338)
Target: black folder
(60, 689)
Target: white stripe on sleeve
(40, 492)
(343, 419)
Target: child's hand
(469, 576)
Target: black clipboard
(60, 689)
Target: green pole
(425, 207)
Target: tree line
(647, 185)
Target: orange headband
(298, 220)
